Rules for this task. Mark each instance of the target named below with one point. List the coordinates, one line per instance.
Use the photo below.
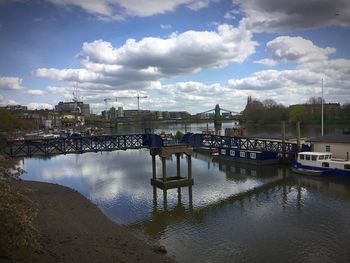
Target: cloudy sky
(181, 54)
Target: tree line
(269, 112)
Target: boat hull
(303, 171)
(318, 171)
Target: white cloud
(11, 83)
(297, 49)
(119, 9)
(4, 101)
(152, 59)
(165, 26)
(58, 90)
(302, 82)
(39, 106)
(267, 62)
(275, 79)
(194, 97)
(281, 16)
(36, 92)
(231, 14)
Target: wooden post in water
(298, 136)
(190, 197)
(178, 164)
(165, 199)
(154, 196)
(189, 160)
(154, 171)
(179, 195)
(164, 168)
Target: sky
(179, 55)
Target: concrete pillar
(178, 165)
(189, 163)
(164, 168)
(154, 171)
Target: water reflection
(249, 213)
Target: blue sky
(181, 54)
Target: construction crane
(138, 99)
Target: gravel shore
(75, 230)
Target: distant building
(15, 108)
(179, 115)
(120, 112)
(338, 144)
(78, 107)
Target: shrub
(18, 233)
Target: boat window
(302, 157)
(252, 155)
(314, 157)
(347, 166)
(242, 154)
(321, 157)
(307, 157)
(325, 164)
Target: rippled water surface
(237, 213)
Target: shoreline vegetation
(73, 229)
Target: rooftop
(335, 138)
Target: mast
(322, 111)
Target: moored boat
(319, 164)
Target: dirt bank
(75, 230)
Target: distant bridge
(217, 115)
(83, 144)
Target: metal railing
(241, 143)
(81, 144)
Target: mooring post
(165, 199)
(177, 164)
(154, 196)
(190, 197)
(154, 171)
(189, 163)
(164, 168)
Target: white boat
(320, 163)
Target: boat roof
(335, 138)
(316, 153)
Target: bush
(18, 233)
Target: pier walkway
(83, 144)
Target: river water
(236, 213)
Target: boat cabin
(314, 156)
(322, 159)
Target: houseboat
(245, 156)
(320, 164)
